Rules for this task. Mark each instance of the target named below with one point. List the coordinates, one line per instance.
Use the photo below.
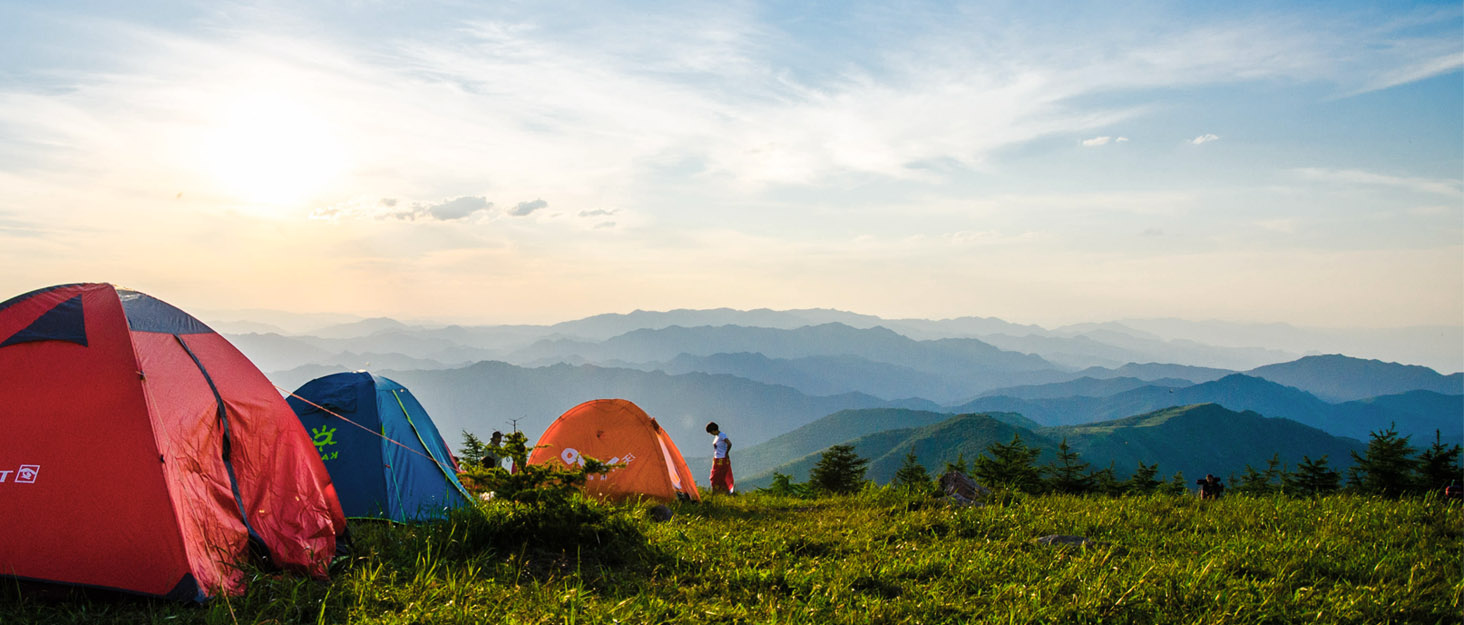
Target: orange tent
(616, 431)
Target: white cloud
(1104, 140)
(458, 208)
(1205, 138)
(449, 210)
(525, 208)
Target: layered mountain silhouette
(1340, 378)
(765, 374)
(1417, 413)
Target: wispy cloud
(1452, 188)
(717, 87)
(754, 118)
(1414, 70)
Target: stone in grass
(1062, 540)
(962, 489)
(660, 513)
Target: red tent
(616, 431)
(140, 451)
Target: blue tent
(384, 454)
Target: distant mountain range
(1416, 413)
(1232, 346)
(831, 339)
(768, 375)
(1339, 378)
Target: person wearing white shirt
(721, 478)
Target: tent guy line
(373, 432)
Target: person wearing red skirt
(721, 461)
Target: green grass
(878, 557)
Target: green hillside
(1195, 440)
(1203, 438)
(833, 429)
(934, 445)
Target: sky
(535, 162)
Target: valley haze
(766, 375)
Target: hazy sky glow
(537, 162)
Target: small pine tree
(912, 475)
(1386, 467)
(1252, 482)
(839, 470)
(1438, 466)
(959, 466)
(1266, 482)
(473, 450)
(1069, 475)
(1105, 483)
(1143, 481)
(1276, 474)
(1176, 485)
(1313, 478)
(783, 486)
(550, 482)
(1011, 465)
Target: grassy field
(877, 557)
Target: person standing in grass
(1211, 487)
(721, 461)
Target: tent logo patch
(572, 457)
(25, 474)
(324, 437)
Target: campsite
(601, 520)
(928, 312)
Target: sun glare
(272, 152)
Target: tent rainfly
(617, 431)
(142, 452)
(383, 451)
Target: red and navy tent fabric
(142, 452)
(385, 455)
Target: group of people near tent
(141, 452)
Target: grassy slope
(883, 558)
